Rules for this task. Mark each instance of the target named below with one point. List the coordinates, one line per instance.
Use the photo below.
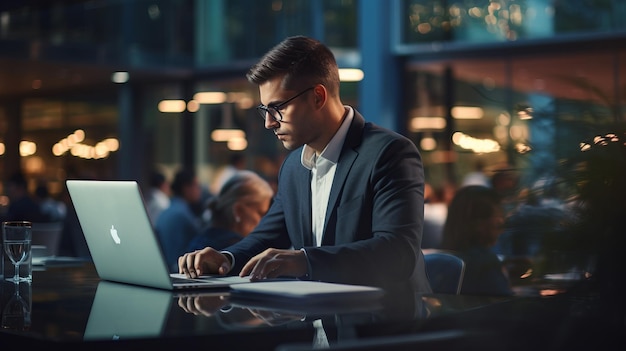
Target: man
(349, 205)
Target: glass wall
(63, 56)
(493, 21)
(171, 33)
(524, 112)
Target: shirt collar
(332, 151)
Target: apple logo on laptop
(114, 235)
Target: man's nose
(270, 121)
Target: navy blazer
(373, 227)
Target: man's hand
(205, 261)
(273, 263)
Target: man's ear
(321, 95)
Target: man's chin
(290, 146)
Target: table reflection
(17, 306)
(71, 305)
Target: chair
(445, 272)
(47, 235)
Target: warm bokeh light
(27, 148)
(522, 148)
(479, 146)
(427, 123)
(79, 135)
(34, 164)
(467, 112)
(172, 106)
(428, 143)
(351, 75)
(221, 135)
(237, 144)
(210, 97)
(73, 144)
(112, 144)
(193, 106)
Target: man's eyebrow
(274, 103)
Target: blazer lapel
(346, 159)
(304, 193)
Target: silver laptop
(122, 242)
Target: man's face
(299, 124)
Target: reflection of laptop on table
(122, 242)
(121, 311)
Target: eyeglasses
(274, 110)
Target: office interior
(113, 89)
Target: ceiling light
(210, 97)
(119, 77)
(350, 75)
(427, 123)
(172, 106)
(467, 112)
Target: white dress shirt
(323, 168)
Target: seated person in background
(235, 211)
(178, 223)
(435, 210)
(475, 220)
(51, 209)
(158, 197)
(22, 205)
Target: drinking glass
(16, 236)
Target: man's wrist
(307, 275)
(231, 259)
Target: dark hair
(471, 205)
(182, 178)
(302, 61)
(41, 191)
(156, 179)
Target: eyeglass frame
(265, 110)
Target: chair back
(445, 272)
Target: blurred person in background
(477, 176)
(435, 211)
(475, 221)
(22, 205)
(51, 209)
(179, 223)
(235, 211)
(505, 181)
(158, 197)
(236, 162)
